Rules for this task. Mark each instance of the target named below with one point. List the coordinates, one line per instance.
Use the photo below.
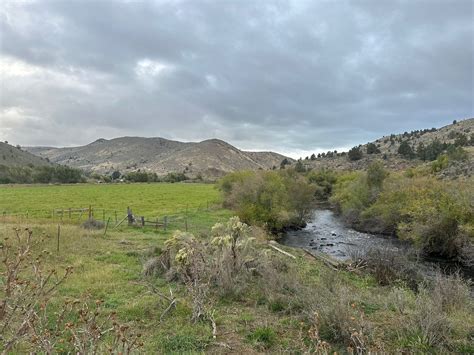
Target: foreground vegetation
(222, 286)
(226, 291)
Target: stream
(327, 234)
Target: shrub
(372, 149)
(324, 181)
(271, 199)
(25, 317)
(355, 153)
(405, 150)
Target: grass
(151, 200)
(110, 268)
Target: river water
(326, 233)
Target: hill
(386, 149)
(210, 158)
(11, 156)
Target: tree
(355, 154)
(283, 163)
(372, 149)
(116, 175)
(461, 140)
(433, 150)
(299, 166)
(454, 122)
(376, 174)
(313, 157)
(420, 151)
(405, 150)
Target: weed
(262, 337)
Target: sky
(294, 77)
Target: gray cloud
(288, 76)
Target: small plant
(262, 337)
(26, 310)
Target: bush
(271, 199)
(372, 149)
(435, 215)
(324, 180)
(355, 154)
(405, 150)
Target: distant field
(145, 199)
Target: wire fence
(197, 219)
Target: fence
(191, 219)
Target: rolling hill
(210, 158)
(11, 156)
(388, 150)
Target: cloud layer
(293, 77)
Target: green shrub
(272, 199)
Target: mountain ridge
(209, 158)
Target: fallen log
(271, 244)
(333, 264)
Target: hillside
(14, 157)
(388, 149)
(209, 158)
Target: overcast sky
(289, 76)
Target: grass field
(152, 200)
(110, 268)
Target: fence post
(143, 221)
(90, 212)
(129, 216)
(106, 226)
(186, 218)
(59, 232)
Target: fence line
(76, 215)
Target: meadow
(276, 304)
(151, 200)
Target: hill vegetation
(409, 149)
(208, 159)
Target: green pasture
(151, 200)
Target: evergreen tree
(405, 150)
(355, 153)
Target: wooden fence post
(186, 218)
(143, 221)
(59, 232)
(90, 212)
(106, 226)
(129, 216)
